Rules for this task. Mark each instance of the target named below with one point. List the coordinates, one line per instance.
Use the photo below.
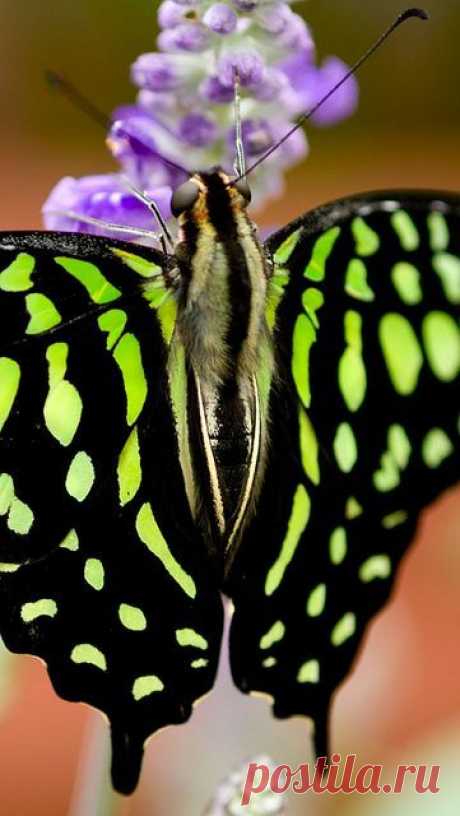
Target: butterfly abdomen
(221, 324)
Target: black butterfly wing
(102, 573)
(364, 433)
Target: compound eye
(184, 198)
(243, 188)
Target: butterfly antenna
(405, 15)
(240, 162)
(86, 106)
(78, 100)
(107, 225)
(154, 209)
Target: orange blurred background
(402, 703)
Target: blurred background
(402, 703)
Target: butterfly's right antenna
(405, 15)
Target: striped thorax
(222, 337)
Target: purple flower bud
(246, 5)
(156, 102)
(198, 130)
(220, 18)
(273, 18)
(186, 37)
(295, 34)
(248, 64)
(344, 101)
(257, 136)
(157, 72)
(170, 14)
(212, 90)
(273, 84)
(103, 197)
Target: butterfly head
(210, 197)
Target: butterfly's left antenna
(154, 209)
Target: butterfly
(265, 421)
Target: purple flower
(185, 106)
(158, 72)
(257, 136)
(198, 130)
(170, 14)
(249, 65)
(212, 90)
(344, 101)
(311, 84)
(102, 197)
(220, 18)
(186, 37)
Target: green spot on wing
(140, 265)
(285, 250)
(43, 313)
(132, 617)
(436, 448)
(402, 352)
(344, 629)
(353, 508)
(45, 607)
(150, 534)
(441, 337)
(127, 354)
(129, 469)
(356, 283)
(20, 517)
(399, 445)
(309, 448)
(6, 493)
(113, 322)
(366, 239)
(394, 519)
(338, 545)
(316, 268)
(70, 542)
(57, 354)
(80, 476)
(448, 268)
(439, 231)
(17, 276)
(96, 284)
(378, 566)
(352, 371)
(146, 685)
(298, 521)
(312, 300)
(345, 447)
(62, 411)
(309, 672)
(303, 339)
(10, 375)
(94, 573)
(87, 653)
(316, 601)
(189, 637)
(274, 635)
(200, 663)
(406, 280)
(406, 230)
